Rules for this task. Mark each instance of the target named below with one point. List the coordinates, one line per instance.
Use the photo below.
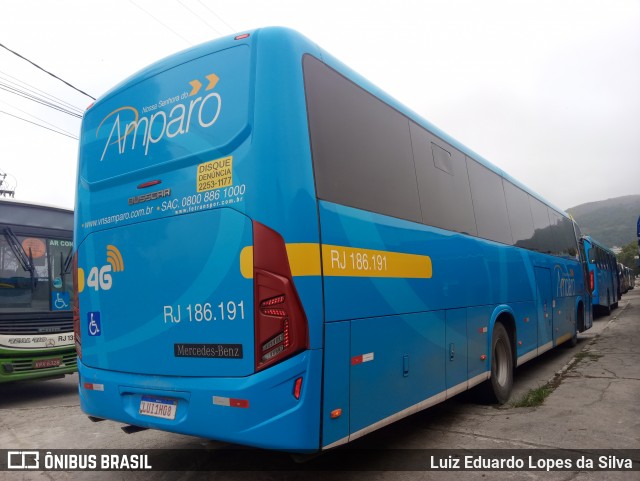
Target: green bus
(36, 285)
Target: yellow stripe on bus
(356, 262)
(304, 260)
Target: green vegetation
(611, 222)
(586, 356)
(534, 398)
(628, 256)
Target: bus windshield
(41, 284)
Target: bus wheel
(501, 380)
(579, 326)
(607, 310)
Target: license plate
(44, 363)
(158, 407)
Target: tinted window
(520, 218)
(361, 147)
(558, 242)
(488, 203)
(542, 238)
(443, 183)
(570, 238)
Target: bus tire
(501, 378)
(607, 310)
(573, 342)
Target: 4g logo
(100, 278)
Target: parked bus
(603, 275)
(623, 278)
(36, 323)
(273, 252)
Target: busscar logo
(188, 109)
(139, 199)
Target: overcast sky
(547, 90)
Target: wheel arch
(504, 314)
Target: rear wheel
(607, 310)
(501, 380)
(579, 326)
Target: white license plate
(158, 407)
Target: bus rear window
(183, 110)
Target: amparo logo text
(126, 125)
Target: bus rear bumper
(260, 410)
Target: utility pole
(6, 188)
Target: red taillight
(76, 307)
(592, 282)
(242, 36)
(150, 183)
(280, 323)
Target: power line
(30, 88)
(37, 118)
(160, 22)
(217, 16)
(39, 125)
(200, 18)
(46, 71)
(38, 100)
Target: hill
(611, 222)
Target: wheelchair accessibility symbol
(60, 301)
(94, 323)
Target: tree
(629, 256)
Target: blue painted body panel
(379, 387)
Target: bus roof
(250, 36)
(18, 213)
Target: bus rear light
(592, 284)
(274, 312)
(273, 342)
(90, 386)
(76, 308)
(230, 402)
(150, 183)
(286, 333)
(242, 37)
(297, 388)
(272, 302)
(279, 320)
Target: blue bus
(603, 275)
(273, 252)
